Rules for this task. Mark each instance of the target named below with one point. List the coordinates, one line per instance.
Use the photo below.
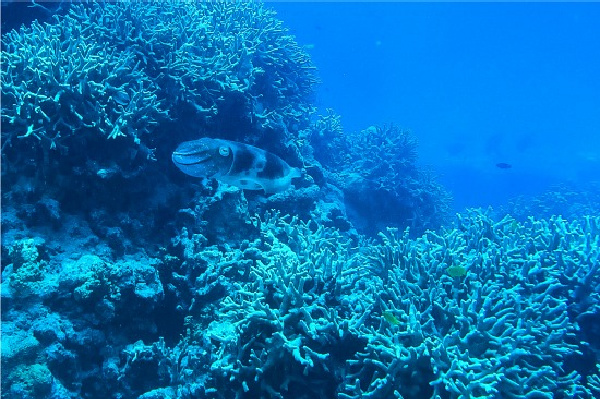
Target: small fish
(122, 98)
(457, 270)
(503, 165)
(237, 164)
(390, 318)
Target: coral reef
(377, 170)
(123, 278)
(567, 199)
(124, 70)
(503, 329)
(94, 103)
(111, 70)
(301, 310)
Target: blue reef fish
(237, 164)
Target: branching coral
(300, 310)
(284, 317)
(326, 137)
(209, 54)
(272, 306)
(60, 82)
(504, 329)
(117, 69)
(406, 326)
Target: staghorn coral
(505, 329)
(279, 313)
(326, 137)
(309, 306)
(594, 382)
(110, 68)
(212, 55)
(299, 310)
(275, 306)
(60, 83)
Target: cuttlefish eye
(224, 151)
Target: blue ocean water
(300, 200)
(477, 84)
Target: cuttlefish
(237, 164)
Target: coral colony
(123, 277)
